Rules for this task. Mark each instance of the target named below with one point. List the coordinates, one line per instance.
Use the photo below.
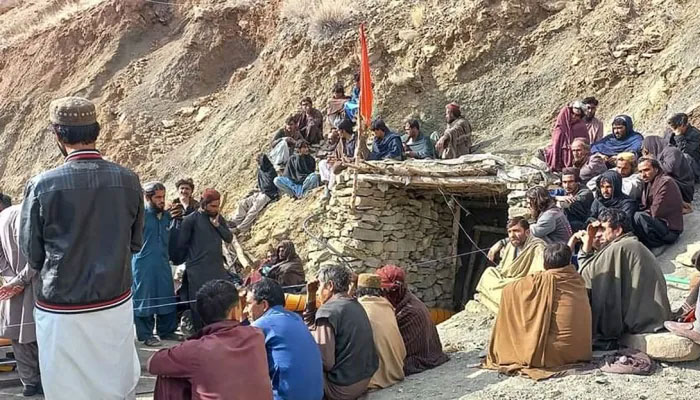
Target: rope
(322, 242)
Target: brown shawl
(544, 323)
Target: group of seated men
(613, 220)
(367, 334)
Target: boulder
(663, 346)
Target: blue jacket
(153, 277)
(294, 359)
(390, 146)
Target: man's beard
(211, 214)
(157, 208)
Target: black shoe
(32, 390)
(152, 342)
(172, 336)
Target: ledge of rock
(663, 346)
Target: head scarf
(673, 163)
(654, 145)
(610, 145)
(558, 154)
(627, 156)
(288, 251)
(393, 282)
(453, 107)
(615, 180)
(208, 196)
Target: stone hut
(434, 218)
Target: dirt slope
(198, 88)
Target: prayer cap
(72, 111)
(627, 156)
(210, 195)
(369, 281)
(151, 187)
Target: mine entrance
(483, 222)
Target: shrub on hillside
(325, 17)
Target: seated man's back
(225, 360)
(293, 356)
(544, 321)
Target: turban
(453, 107)
(210, 195)
(627, 156)
(393, 283)
(150, 188)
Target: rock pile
(392, 225)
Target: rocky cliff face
(198, 88)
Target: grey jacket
(80, 224)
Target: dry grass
(325, 17)
(418, 15)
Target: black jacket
(80, 224)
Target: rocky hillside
(197, 88)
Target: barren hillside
(198, 88)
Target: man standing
(626, 285)
(293, 356)
(17, 305)
(80, 223)
(153, 285)
(520, 255)
(589, 165)
(185, 188)
(593, 124)
(574, 198)
(310, 122)
(201, 234)
(415, 144)
(660, 220)
(385, 330)
(457, 139)
(387, 144)
(225, 360)
(687, 138)
(343, 332)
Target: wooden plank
(476, 185)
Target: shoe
(32, 390)
(172, 336)
(683, 329)
(152, 342)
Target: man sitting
(344, 152)
(627, 288)
(225, 360)
(253, 204)
(420, 337)
(387, 144)
(300, 175)
(544, 321)
(344, 334)
(622, 139)
(626, 166)
(309, 122)
(574, 198)
(589, 165)
(593, 124)
(284, 140)
(687, 138)
(660, 220)
(415, 144)
(336, 106)
(456, 141)
(520, 255)
(293, 356)
(385, 330)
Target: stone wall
(392, 225)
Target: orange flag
(366, 96)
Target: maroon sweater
(662, 199)
(224, 361)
